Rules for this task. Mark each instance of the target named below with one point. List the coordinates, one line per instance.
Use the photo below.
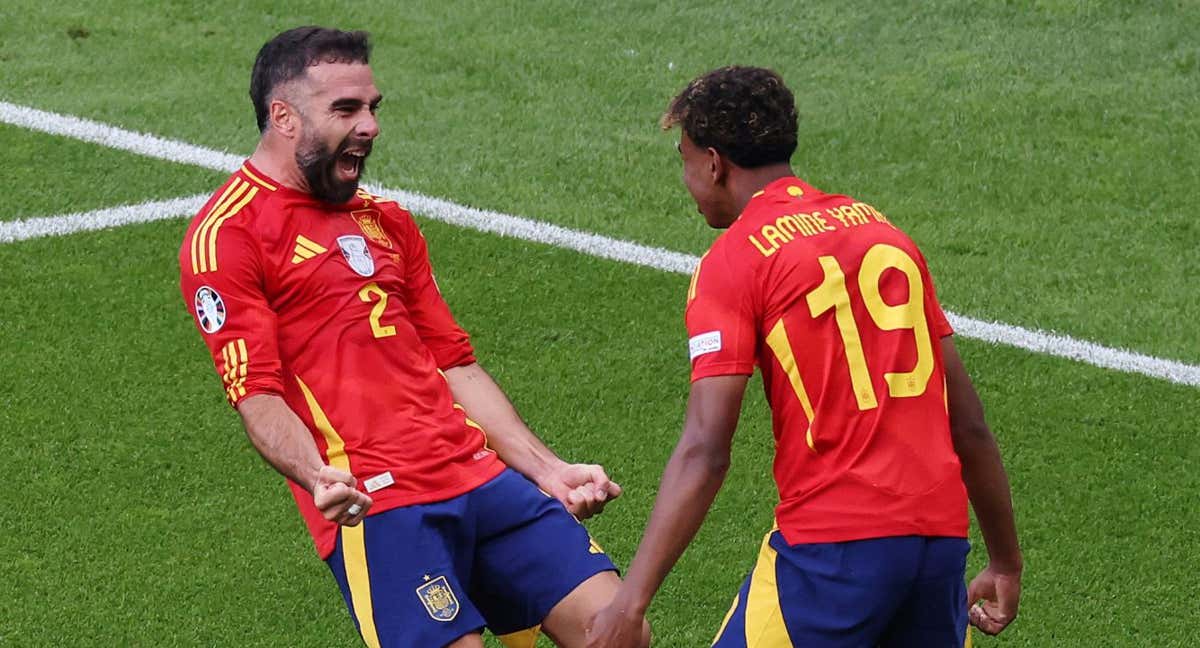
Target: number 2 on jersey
(832, 295)
(367, 294)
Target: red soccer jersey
(334, 308)
(837, 308)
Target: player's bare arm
(998, 586)
(583, 488)
(283, 440)
(690, 482)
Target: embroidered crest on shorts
(354, 248)
(440, 601)
(210, 310)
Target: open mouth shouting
(350, 164)
(333, 176)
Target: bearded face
(331, 170)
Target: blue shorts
(887, 592)
(501, 556)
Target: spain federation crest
(354, 248)
(210, 310)
(440, 601)
(368, 222)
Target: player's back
(847, 329)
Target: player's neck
(279, 165)
(744, 183)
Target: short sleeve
(222, 285)
(428, 311)
(720, 317)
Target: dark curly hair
(746, 113)
(290, 53)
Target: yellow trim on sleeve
(236, 363)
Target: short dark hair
(291, 53)
(746, 113)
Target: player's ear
(718, 166)
(283, 118)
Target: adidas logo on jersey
(305, 249)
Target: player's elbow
(970, 432)
(701, 455)
(972, 439)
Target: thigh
(530, 556)
(397, 574)
(934, 614)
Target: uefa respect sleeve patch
(704, 343)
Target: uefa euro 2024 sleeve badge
(210, 310)
(354, 248)
(440, 601)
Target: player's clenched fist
(337, 499)
(996, 596)
(583, 488)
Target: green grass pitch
(1044, 153)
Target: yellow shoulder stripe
(212, 241)
(217, 208)
(204, 239)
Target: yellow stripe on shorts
(526, 638)
(764, 617)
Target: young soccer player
(880, 437)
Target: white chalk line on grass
(503, 224)
(29, 228)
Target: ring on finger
(354, 509)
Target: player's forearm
(485, 403)
(281, 438)
(982, 469)
(990, 495)
(690, 483)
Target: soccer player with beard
(880, 439)
(352, 379)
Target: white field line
(506, 225)
(100, 219)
